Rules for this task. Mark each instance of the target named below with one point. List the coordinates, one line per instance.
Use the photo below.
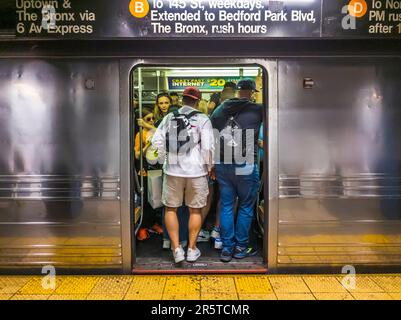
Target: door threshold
(253, 265)
(194, 271)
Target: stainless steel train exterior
(334, 160)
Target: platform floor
(213, 287)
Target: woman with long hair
(162, 106)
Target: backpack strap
(193, 113)
(176, 113)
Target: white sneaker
(166, 244)
(179, 254)
(193, 254)
(218, 244)
(215, 233)
(203, 236)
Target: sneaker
(157, 228)
(193, 254)
(218, 244)
(142, 234)
(226, 255)
(166, 244)
(243, 252)
(179, 254)
(215, 233)
(203, 236)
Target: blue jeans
(240, 181)
(183, 219)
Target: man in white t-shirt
(187, 164)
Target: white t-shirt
(198, 161)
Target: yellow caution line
(207, 287)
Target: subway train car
(332, 162)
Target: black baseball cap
(246, 84)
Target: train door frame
(269, 67)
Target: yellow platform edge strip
(206, 287)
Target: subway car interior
(152, 247)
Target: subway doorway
(156, 91)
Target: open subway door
(156, 90)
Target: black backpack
(232, 137)
(179, 132)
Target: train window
(158, 94)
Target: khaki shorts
(195, 190)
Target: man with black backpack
(185, 143)
(238, 122)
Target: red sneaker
(143, 234)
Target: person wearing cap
(185, 173)
(237, 176)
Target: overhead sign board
(98, 19)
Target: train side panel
(59, 164)
(339, 162)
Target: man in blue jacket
(238, 122)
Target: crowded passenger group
(201, 169)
